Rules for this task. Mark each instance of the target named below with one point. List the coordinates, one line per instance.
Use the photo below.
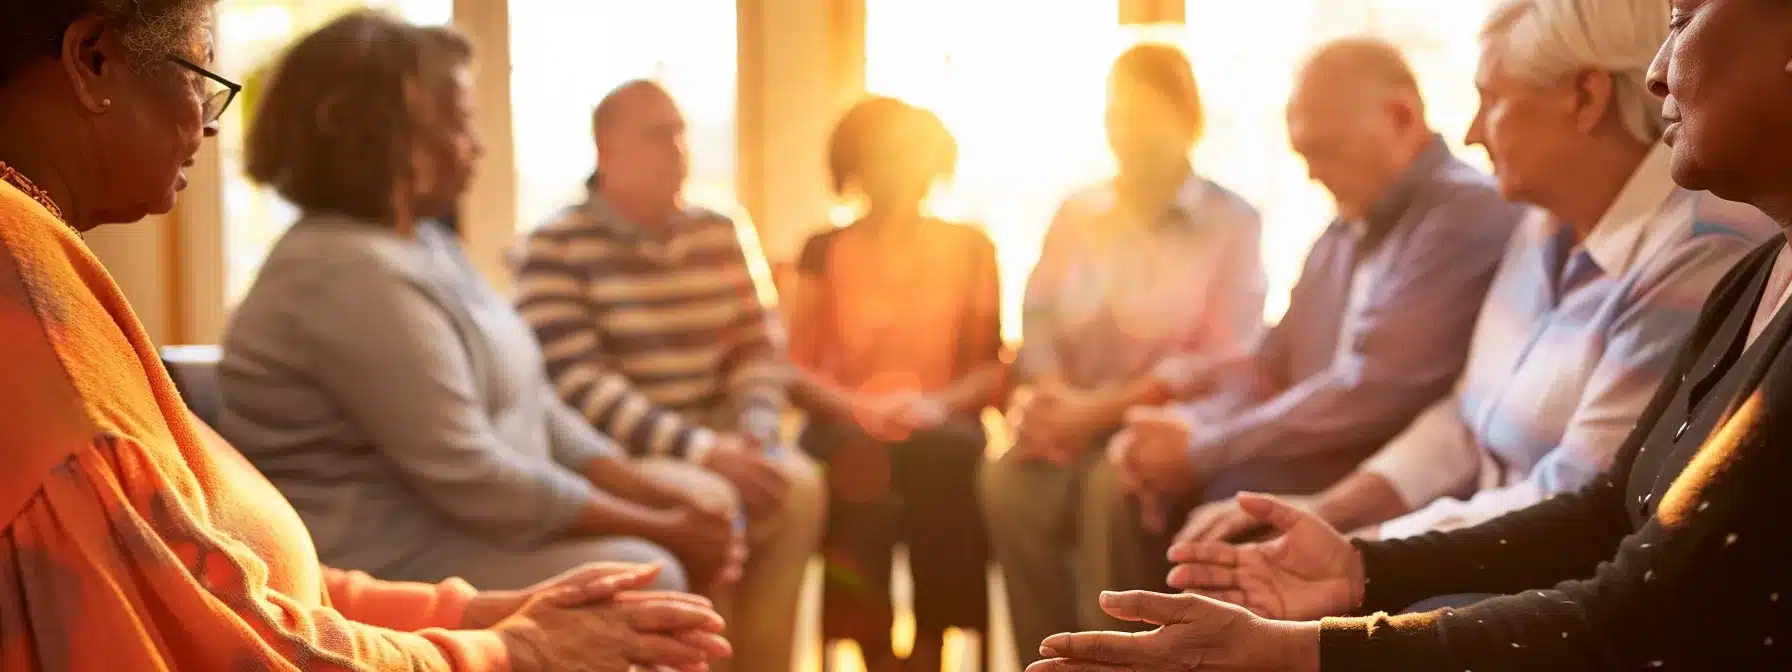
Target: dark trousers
(920, 492)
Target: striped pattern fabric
(132, 537)
(659, 337)
(1572, 342)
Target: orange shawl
(130, 539)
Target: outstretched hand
(1192, 632)
(1309, 571)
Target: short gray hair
(1546, 40)
(150, 29)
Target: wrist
(1296, 645)
(1358, 578)
(488, 607)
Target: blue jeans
(1457, 601)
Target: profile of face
(641, 148)
(453, 147)
(147, 120)
(1348, 142)
(1533, 132)
(1725, 75)
(1149, 133)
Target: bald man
(1378, 326)
(652, 327)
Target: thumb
(1140, 606)
(1276, 512)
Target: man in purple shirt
(1377, 329)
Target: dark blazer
(1677, 558)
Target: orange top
(882, 316)
(131, 538)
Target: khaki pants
(1061, 536)
(762, 612)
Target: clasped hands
(1248, 606)
(600, 617)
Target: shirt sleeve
(404, 379)
(1410, 341)
(397, 605)
(575, 444)
(756, 349)
(107, 568)
(1041, 320)
(1434, 457)
(1234, 313)
(550, 296)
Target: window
(1022, 89)
(1245, 55)
(251, 35)
(567, 56)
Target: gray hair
(1547, 40)
(150, 29)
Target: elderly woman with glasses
(1674, 559)
(131, 536)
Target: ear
(1592, 98)
(93, 60)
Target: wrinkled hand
(1193, 633)
(1225, 519)
(586, 584)
(1310, 571)
(647, 629)
(1152, 452)
(761, 485)
(1057, 423)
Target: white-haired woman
(1675, 558)
(1592, 300)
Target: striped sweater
(658, 336)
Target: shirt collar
(1635, 217)
(1387, 211)
(1184, 206)
(600, 213)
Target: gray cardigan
(398, 402)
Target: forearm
(1362, 499)
(976, 391)
(820, 397)
(606, 515)
(619, 478)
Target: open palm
(1309, 571)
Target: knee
(805, 503)
(1003, 491)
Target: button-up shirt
(1111, 296)
(1377, 326)
(1572, 342)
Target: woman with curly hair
(131, 536)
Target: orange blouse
(879, 318)
(126, 543)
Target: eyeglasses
(218, 91)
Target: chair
(194, 369)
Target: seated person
(382, 386)
(895, 327)
(1675, 559)
(655, 332)
(1586, 313)
(1158, 264)
(1379, 323)
(132, 537)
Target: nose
(1657, 77)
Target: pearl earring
(105, 102)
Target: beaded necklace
(18, 181)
